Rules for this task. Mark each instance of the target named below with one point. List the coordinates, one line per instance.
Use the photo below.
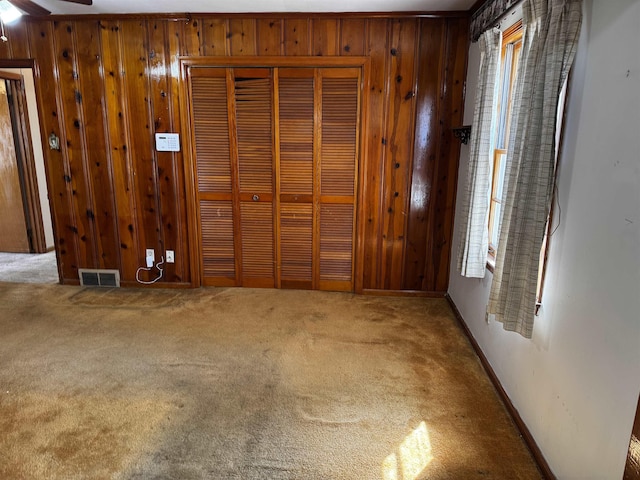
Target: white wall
(576, 383)
(36, 139)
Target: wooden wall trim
(543, 466)
(180, 285)
(359, 223)
(26, 156)
(17, 63)
(401, 293)
(188, 146)
(269, 61)
(189, 16)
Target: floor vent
(99, 278)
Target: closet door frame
(194, 233)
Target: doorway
(26, 239)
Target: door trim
(26, 161)
(632, 468)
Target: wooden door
(295, 146)
(13, 234)
(336, 172)
(232, 124)
(215, 176)
(254, 143)
(276, 154)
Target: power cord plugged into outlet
(148, 268)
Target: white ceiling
(253, 6)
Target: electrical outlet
(150, 257)
(170, 256)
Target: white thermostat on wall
(168, 142)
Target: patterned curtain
(474, 243)
(551, 29)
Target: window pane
(505, 88)
(501, 170)
(496, 223)
(511, 50)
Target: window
(510, 54)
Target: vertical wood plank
(162, 109)
(90, 102)
(18, 40)
(269, 36)
(73, 143)
(5, 47)
(214, 37)
(296, 36)
(136, 65)
(325, 36)
(242, 36)
(428, 129)
(175, 39)
(399, 145)
(41, 40)
(353, 36)
(448, 155)
(378, 52)
(119, 148)
(192, 44)
(182, 268)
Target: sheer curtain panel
(474, 243)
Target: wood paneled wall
(106, 85)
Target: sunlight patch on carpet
(411, 458)
(51, 436)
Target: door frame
(188, 143)
(26, 160)
(632, 467)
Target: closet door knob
(255, 198)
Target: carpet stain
(119, 298)
(66, 437)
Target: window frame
(512, 35)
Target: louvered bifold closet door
(337, 167)
(253, 98)
(214, 175)
(276, 153)
(295, 172)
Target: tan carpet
(243, 384)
